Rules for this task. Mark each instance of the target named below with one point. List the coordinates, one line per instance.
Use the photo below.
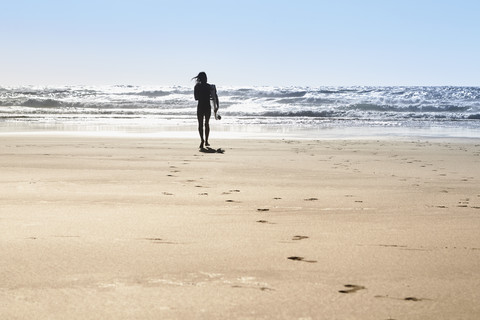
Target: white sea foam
(300, 108)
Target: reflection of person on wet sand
(204, 109)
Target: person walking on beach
(203, 92)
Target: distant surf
(305, 107)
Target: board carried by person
(214, 98)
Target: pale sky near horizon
(240, 43)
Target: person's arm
(195, 92)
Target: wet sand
(129, 228)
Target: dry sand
(122, 228)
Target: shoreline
(248, 131)
(122, 228)
(224, 140)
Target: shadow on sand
(211, 150)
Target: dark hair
(201, 78)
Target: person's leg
(207, 128)
(200, 128)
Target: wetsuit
(202, 94)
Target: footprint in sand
(412, 299)
(415, 299)
(311, 199)
(158, 240)
(265, 222)
(295, 258)
(230, 191)
(299, 237)
(277, 198)
(351, 288)
(463, 203)
(263, 210)
(261, 288)
(167, 193)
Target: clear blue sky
(271, 42)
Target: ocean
(247, 112)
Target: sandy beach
(130, 228)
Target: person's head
(201, 78)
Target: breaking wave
(360, 103)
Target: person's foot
(207, 144)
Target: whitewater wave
(362, 103)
